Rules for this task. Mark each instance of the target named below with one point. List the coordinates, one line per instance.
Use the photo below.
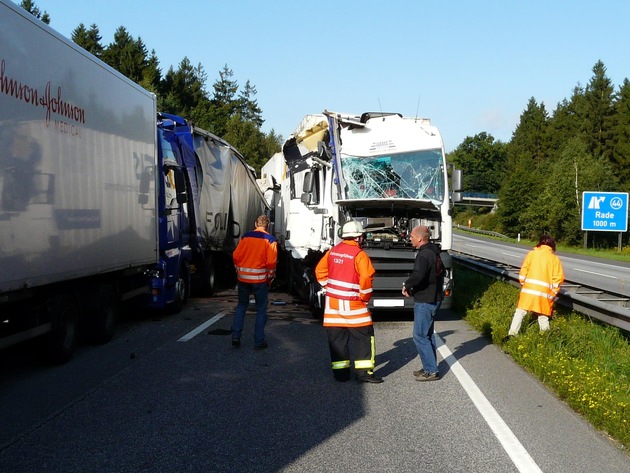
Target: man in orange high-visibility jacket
(255, 259)
(540, 276)
(346, 273)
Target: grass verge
(585, 363)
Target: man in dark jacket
(425, 287)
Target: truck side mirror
(457, 180)
(309, 181)
(306, 198)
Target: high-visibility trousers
(359, 341)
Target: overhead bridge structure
(479, 200)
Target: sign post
(605, 212)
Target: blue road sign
(605, 211)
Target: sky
(469, 66)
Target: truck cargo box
(76, 137)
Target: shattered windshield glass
(416, 175)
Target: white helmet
(352, 229)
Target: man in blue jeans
(425, 286)
(255, 259)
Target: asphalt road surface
(170, 394)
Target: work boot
(369, 378)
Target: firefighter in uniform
(255, 259)
(346, 273)
(540, 276)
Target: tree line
(229, 111)
(540, 174)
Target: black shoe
(428, 377)
(262, 346)
(369, 378)
(419, 373)
(236, 342)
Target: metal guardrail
(588, 302)
(482, 232)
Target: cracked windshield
(417, 175)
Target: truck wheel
(291, 289)
(209, 282)
(103, 309)
(181, 292)
(317, 313)
(313, 301)
(62, 340)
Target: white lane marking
(511, 254)
(596, 274)
(513, 447)
(202, 327)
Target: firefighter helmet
(352, 229)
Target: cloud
(497, 123)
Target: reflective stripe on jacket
(540, 276)
(255, 257)
(346, 273)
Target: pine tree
(530, 140)
(90, 40)
(620, 157)
(566, 122)
(249, 109)
(152, 74)
(527, 155)
(224, 103)
(598, 111)
(126, 55)
(30, 7)
(183, 92)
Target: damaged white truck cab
(382, 169)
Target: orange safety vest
(346, 273)
(255, 257)
(540, 276)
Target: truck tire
(102, 308)
(316, 311)
(62, 340)
(182, 291)
(209, 282)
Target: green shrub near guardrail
(585, 363)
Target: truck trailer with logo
(102, 200)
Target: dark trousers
(261, 296)
(351, 343)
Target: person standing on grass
(425, 286)
(255, 259)
(540, 276)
